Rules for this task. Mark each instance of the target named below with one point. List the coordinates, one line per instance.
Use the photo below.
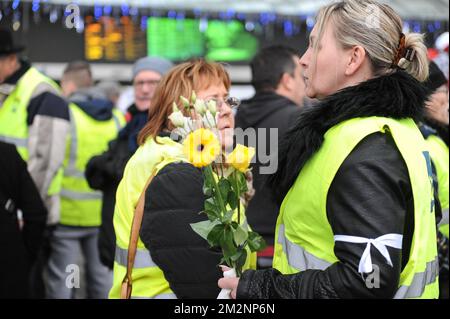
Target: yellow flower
(240, 157)
(201, 147)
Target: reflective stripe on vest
(143, 258)
(444, 220)
(298, 257)
(419, 282)
(160, 296)
(81, 195)
(18, 142)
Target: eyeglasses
(232, 102)
(149, 83)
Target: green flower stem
(238, 193)
(209, 171)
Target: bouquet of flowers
(224, 182)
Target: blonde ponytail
(418, 67)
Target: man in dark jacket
(105, 171)
(19, 244)
(35, 118)
(276, 77)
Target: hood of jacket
(93, 103)
(264, 104)
(396, 96)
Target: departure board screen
(176, 40)
(107, 39)
(181, 39)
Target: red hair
(181, 80)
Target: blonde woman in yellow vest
(354, 179)
(171, 260)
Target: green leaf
(240, 263)
(232, 200)
(227, 243)
(255, 242)
(207, 190)
(224, 187)
(208, 179)
(226, 261)
(227, 217)
(237, 255)
(214, 237)
(210, 205)
(204, 228)
(212, 215)
(242, 182)
(240, 236)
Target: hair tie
(400, 50)
(404, 55)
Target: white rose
(177, 119)
(200, 107)
(212, 107)
(208, 120)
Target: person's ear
(356, 58)
(286, 82)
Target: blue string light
(406, 27)
(35, 5)
(172, 14)
(125, 9)
(272, 17)
(15, 4)
(310, 23)
(180, 16)
(437, 25)
(288, 28)
(144, 21)
(97, 12)
(264, 18)
(134, 11)
(230, 13)
(197, 12)
(107, 10)
(203, 25)
(53, 16)
(240, 16)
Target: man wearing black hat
(35, 118)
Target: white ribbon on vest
(380, 243)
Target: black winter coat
(266, 110)
(19, 247)
(173, 201)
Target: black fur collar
(397, 96)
